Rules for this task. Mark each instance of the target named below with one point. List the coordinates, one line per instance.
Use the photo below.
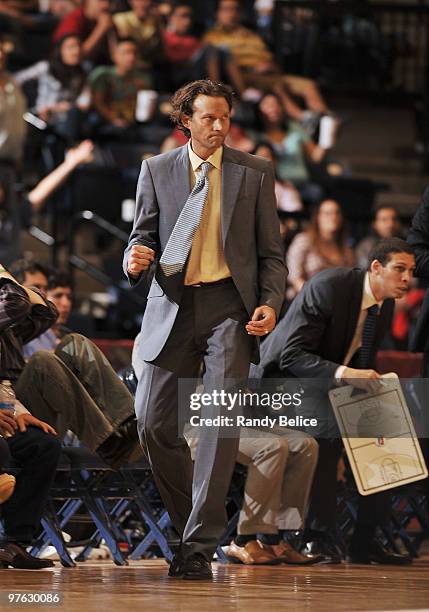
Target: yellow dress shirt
(206, 262)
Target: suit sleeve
(307, 321)
(272, 271)
(418, 236)
(145, 228)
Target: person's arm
(102, 107)
(313, 151)
(418, 236)
(308, 318)
(25, 309)
(272, 272)
(103, 26)
(144, 239)
(50, 183)
(31, 73)
(296, 256)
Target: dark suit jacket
(250, 235)
(312, 339)
(418, 238)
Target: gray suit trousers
(209, 331)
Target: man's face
(37, 280)
(209, 124)
(62, 298)
(386, 223)
(395, 277)
(125, 56)
(141, 8)
(228, 14)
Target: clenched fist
(139, 260)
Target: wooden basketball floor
(144, 586)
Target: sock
(242, 540)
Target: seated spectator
(323, 245)
(92, 24)
(143, 25)
(287, 196)
(33, 444)
(280, 468)
(12, 109)
(256, 62)
(386, 224)
(114, 90)
(190, 59)
(96, 406)
(292, 145)
(62, 94)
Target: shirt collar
(368, 298)
(215, 158)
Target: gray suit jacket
(250, 235)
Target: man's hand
(263, 321)
(28, 419)
(368, 380)
(139, 260)
(8, 425)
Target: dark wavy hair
(69, 76)
(183, 100)
(260, 122)
(341, 235)
(384, 249)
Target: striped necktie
(368, 335)
(179, 244)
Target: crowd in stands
(103, 78)
(107, 73)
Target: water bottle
(7, 399)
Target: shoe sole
(238, 561)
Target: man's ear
(185, 119)
(375, 266)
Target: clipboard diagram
(379, 436)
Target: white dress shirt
(368, 300)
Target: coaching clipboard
(379, 436)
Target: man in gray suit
(206, 224)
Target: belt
(222, 281)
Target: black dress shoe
(175, 570)
(322, 549)
(194, 567)
(13, 555)
(119, 446)
(376, 553)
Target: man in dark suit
(418, 239)
(206, 214)
(325, 336)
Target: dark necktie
(179, 244)
(368, 335)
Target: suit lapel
(180, 185)
(232, 177)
